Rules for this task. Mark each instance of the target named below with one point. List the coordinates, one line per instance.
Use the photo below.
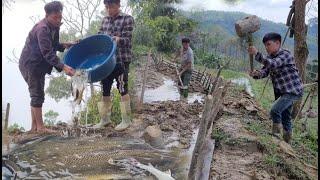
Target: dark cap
(111, 1)
(54, 6)
(271, 36)
(185, 40)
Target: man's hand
(68, 70)
(252, 50)
(116, 39)
(69, 44)
(254, 73)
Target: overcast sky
(274, 10)
(16, 24)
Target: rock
(153, 136)
(312, 114)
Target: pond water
(168, 91)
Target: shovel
(177, 72)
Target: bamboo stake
(144, 80)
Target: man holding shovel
(187, 66)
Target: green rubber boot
(104, 108)
(125, 113)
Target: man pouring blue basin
(38, 57)
(119, 26)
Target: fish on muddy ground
(150, 168)
(78, 84)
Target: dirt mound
(173, 117)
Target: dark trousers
(282, 109)
(186, 77)
(35, 83)
(121, 74)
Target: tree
(50, 118)
(300, 45)
(6, 4)
(158, 23)
(79, 14)
(59, 87)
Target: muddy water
(244, 82)
(168, 91)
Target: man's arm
(185, 67)
(284, 57)
(259, 74)
(49, 53)
(271, 63)
(46, 48)
(60, 47)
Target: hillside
(212, 20)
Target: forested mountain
(212, 21)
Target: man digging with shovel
(186, 68)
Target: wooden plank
(205, 157)
(218, 106)
(205, 161)
(6, 120)
(200, 138)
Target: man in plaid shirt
(287, 85)
(119, 26)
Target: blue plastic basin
(94, 54)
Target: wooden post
(203, 73)
(207, 152)
(200, 138)
(144, 80)
(208, 82)
(6, 120)
(205, 157)
(216, 79)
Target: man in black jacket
(38, 57)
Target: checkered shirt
(283, 72)
(121, 26)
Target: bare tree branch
(14, 58)
(6, 4)
(35, 19)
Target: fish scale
(104, 157)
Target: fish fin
(149, 164)
(168, 172)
